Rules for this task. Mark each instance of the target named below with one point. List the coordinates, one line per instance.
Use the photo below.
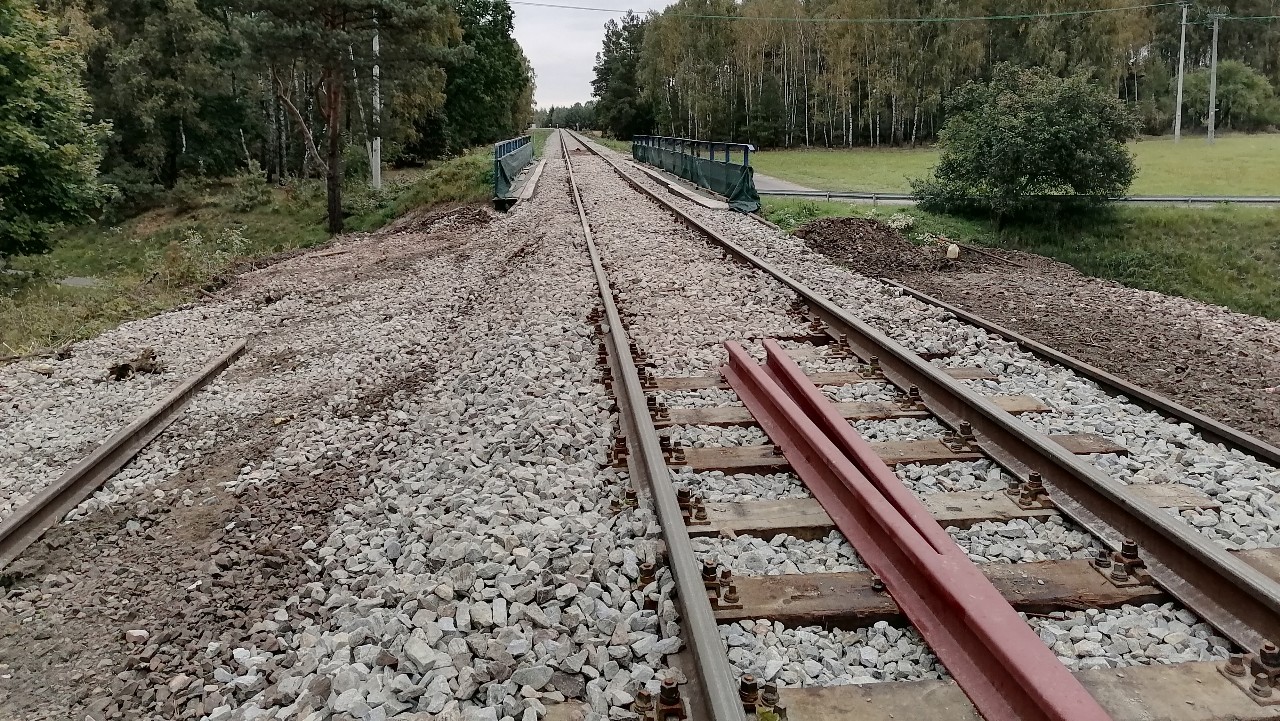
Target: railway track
(1140, 555)
(32, 519)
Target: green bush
(1030, 143)
(250, 190)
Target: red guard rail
(994, 656)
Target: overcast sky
(562, 45)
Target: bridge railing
(509, 158)
(723, 168)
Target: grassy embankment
(161, 258)
(1234, 165)
(1227, 255)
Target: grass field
(1227, 255)
(161, 258)
(1234, 165)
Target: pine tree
(296, 36)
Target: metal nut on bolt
(749, 691)
(731, 595)
(1235, 665)
(642, 704)
(670, 705)
(1261, 685)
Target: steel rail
(1207, 427)
(718, 683)
(38, 515)
(999, 662)
(1239, 600)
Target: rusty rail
(1232, 596)
(28, 523)
(715, 677)
(999, 662)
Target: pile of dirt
(870, 247)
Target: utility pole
(377, 113)
(1213, 77)
(1182, 64)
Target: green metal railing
(705, 163)
(509, 158)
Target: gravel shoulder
(1206, 357)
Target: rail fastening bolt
(769, 695)
(749, 690)
(877, 584)
(669, 692)
(1129, 549)
(1261, 685)
(1013, 487)
(913, 395)
(1235, 664)
(1269, 655)
(1119, 573)
(648, 573)
(699, 510)
(643, 702)
(731, 595)
(709, 569)
(1102, 560)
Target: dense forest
(176, 90)
(798, 73)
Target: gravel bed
(717, 487)
(701, 398)
(399, 498)
(953, 477)
(1025, 540)
(813, 656)
(1129, 636)
(899, 429)
(1167, 453)
(1216, 361)
(679, 297)
(867, 391)
(715, 436)
(782, 554)
(926, 328)
(55, 412)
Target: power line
(857, 21)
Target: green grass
(1234, 165)
(162, 258)
(622, 146)
(540, 136)
(1227, 255)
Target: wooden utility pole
(1213, 77)
(1182, 64)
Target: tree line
(790, 73)
(161, 91)
(579, 116)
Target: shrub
(1029, 142)
(250, 190)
